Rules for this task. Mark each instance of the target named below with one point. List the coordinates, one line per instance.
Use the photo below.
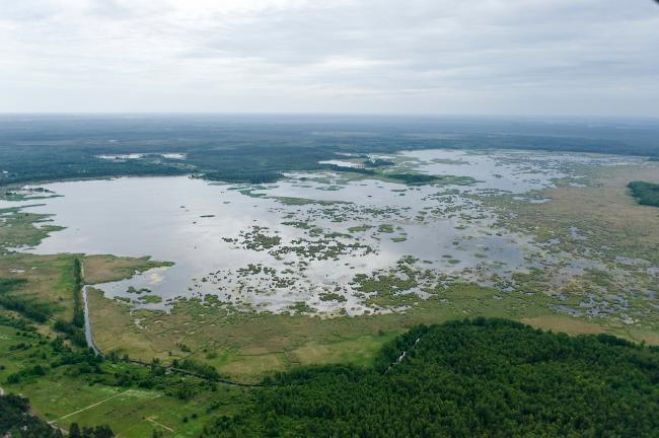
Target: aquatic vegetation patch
(360, 228)
(385, 228)
(421, 179)
(290, 200)
(321, 249)
(332, 296)
(133, 290)
(257, 240)
(150, 299)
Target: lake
(305, 238)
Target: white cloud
(439, 56)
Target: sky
(479, 57)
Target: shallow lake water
(268, 247)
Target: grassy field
(245, 346)
(63, 396)
(49, 281)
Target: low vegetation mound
(485, 377)
(646, 193)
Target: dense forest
(260, 148)
(484, 377)
(646, 193)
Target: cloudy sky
(506, 57)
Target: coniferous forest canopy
(471, 378)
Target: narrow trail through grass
(86, 408)
(152, 421)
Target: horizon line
(330, 114)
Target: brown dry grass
(564, 324)
(105, 268)
(604, 209)
(245, 346)
(113, 327)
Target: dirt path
(152, 421)
(89, 407)
(402, 356)
(88, 323)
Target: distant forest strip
(253, 149)
(485, 377)
(646, 193)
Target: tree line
(646, 193)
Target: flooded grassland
(325, 266)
